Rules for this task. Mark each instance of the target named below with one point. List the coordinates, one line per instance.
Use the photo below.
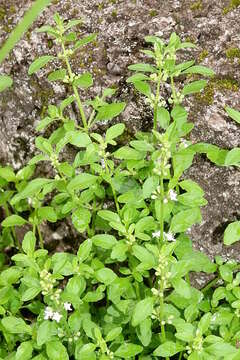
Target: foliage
(125, 293)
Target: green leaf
(109, 111)
(57, 75)
(7, 173)
(47, 213)
(143, 87)
(194, 87)
(114, 131)
(16, 325)
(13, 220)
(55, 350)
(137, 77)
(182, 288)
(144, 332)
(84, 250)
(163, 117)
(169, 348)
(24, 351)
(109, 215)
(127, 153)
(85, 40)
(113, 334)
(29, 243)
(128, 350)
(78, 138)
(105, 275)
(142, 310)
(81, 182)
(234, 114)
(185, 219)
(143, 67)
(5, 82)
(81, 219)
(232, 233)
(32, 188)
(143, 255)
(45, 332)
(185, 331)
(104, 241)
(76, 285)
(39, 63)
(30, 293)
(233, 157)
(199, 69)
(221, 348)
(84, 81)
(149, 186)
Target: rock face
(121, 26)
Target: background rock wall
(121, 26)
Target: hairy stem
(162, 211)
(75, 90)
(40, 237)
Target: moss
(153, 13)
(233, 5)
(196, 6)
(216, 84)
(203, 55)
(114, 13)
(233, 53)
(2, 13)
(55, 2)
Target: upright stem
(112, 187)
(173, 89)
(75, 90)
(162, 212)
(15, 238)
(156, 102)
(40, 237)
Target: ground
(121, 26)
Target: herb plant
(125, 293)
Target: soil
(121, 26)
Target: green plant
(125, 293)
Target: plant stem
(162, 213)
(40, 237)
(210, 284)
(180, 355)
(161, 318)
(15, 238)
(112, 187)
(173, 90)
(156, 102)
(75, 90)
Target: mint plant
(125, 293)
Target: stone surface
(121, 26)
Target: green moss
(55, 2)
(203, 55)
(196, 6)
(233, 5)
(114, 13)
(153, 13)
(233, 53)
(216, 84)
(2, 13)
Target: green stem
(112, 187)
(210, 284)
(161, 318)
(40, 237)
(162, 213)
(15, 238)
(173, 90)
(75, 90)
(180, 355)
(156, 102)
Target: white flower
(48, 313)
(172, 195)
(56, 316)
(169, 236)
(67, 306)
(156, 234)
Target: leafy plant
(125, 293)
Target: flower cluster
(197, 344)
(47, 282)
(49, 313)
(167, 236)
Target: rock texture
(121, 26)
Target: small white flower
(156, 234)
(172, 195)
(67, 306)
(165, 200)
(169, 236)
(48, 313)
(103, 163)
(56, 316)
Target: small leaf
(84, 250)
(81, 182)
(5, 82)
(142, 310)
(29, 243)
(105, 275)
(85, 40)
(39, 63)
(169, 348)
(114, 131)
(84, 81)
(24, 351)
(13, 220)
(16, 325)
(234, 114)
(128, 350)
(232, 233)
(113, 334)
(56, 350)
(104, 241)
(185, 219)
(199, 69)
(194, 87)
(127, 153)
(81, 219)
(233, 157)
(163, 117)
(143, 87)
(110, 111)
(143, 67)
(57, 75)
